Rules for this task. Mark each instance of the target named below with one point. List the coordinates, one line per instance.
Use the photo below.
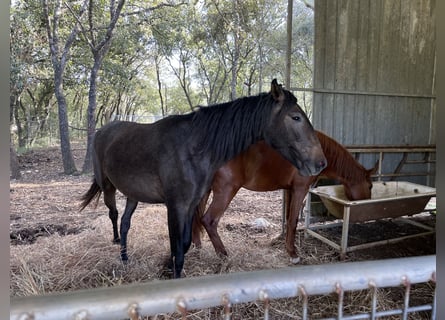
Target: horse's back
(138, 138)
(138, 159)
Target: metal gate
(183, 295)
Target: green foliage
(191, 45)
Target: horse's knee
(113, 214)
(209, 223)
(205, 221)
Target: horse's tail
(198, 227)
(87, 197)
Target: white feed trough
(390, 199)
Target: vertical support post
(345, 232)
(307, 213)
(379, 170)
(303, 293)
(373, 288)
(433, 311)
(227, 307)
(341, 295)
(290, 4)
(264, 297)
(407, 284)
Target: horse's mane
(340, 159)
(227, 129)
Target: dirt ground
(44, 212)
(44, 201)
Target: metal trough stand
(392, 199)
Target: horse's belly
(140, 189)
(259, 183)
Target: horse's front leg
(296, 201)
(177, 229)
(130, 206)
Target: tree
(99, 38)
(59, 58)
(99, 43)
(159, 58)
(13, 163)
(170, 30)
(30, 81)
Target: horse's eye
(296, 118)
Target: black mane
(225, 130)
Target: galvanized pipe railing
(181, 295)
(381, 150)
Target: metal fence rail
(181, 295)
(428, 160)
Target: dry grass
(88, 260)
(58, 262)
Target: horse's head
(291, 133)
(360, 190)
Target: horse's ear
(372, 170)
(277, 91)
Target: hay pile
(55, 248)
(89, 259)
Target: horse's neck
(342, 166)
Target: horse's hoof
(222, 254)
(295, 260)
(165, 274)
(167, 264)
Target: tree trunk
(99, 50)
(91, 115)
(59, 58)
(13, 161)
(158, 78)
(236, 51)
(14, 165)
(69, 167)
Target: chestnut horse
(173, 160)
(261, 168)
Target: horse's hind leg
(220, 202)
(197, 225)
(125, 226)
(110, 202)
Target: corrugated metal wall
(374, 71)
